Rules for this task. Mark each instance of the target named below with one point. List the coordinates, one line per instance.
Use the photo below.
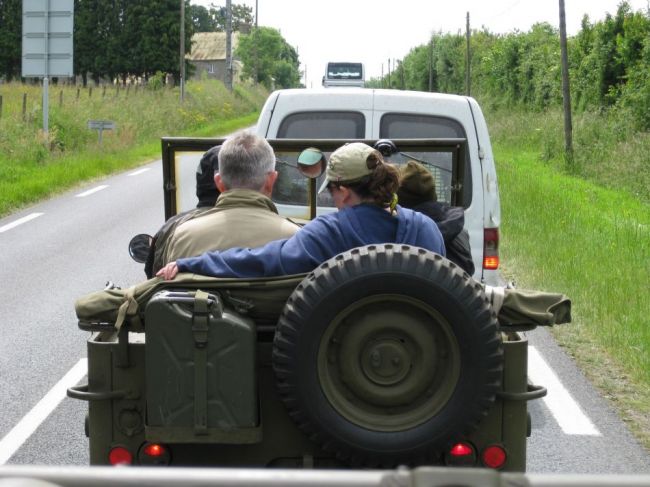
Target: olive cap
(350, 163)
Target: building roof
(210, 46)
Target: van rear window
(409, 126)
(323, 125)
(406, 126)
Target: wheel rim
(388, 362)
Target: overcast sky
(372, 31)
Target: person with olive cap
(363, 187)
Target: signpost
(100, 126)
(47, 43)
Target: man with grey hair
(244, 215)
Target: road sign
(47, 38)
(100, 126)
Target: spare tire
(386, 353)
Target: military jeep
(384, 355)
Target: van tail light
(120, 456)
(494, 456)
(490, 248)
(461, 454)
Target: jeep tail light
(494, 456)
(461, 454)
(490, 248)
(120, 456)
(154, 454)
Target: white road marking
(564, 408)
(20, 221)
(91, 191)
(32, 420)
(139, 171)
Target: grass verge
(33, 167)
(561, 233)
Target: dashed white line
(564, 408)
(139, 171)
(91, 191)
(32, 420)
(20, 221)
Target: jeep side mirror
(311, 162)
(139, 247)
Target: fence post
(0, 106)
(24, 106)
(78, 94)
(90, 92)
(60, 98)
(104, 91)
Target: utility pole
(228, 80)
(467, 70)
(181, 71)
(255, 40)
(431, 64)
(566, 89)
(389, 73)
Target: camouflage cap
(416, 185)
(350, 163)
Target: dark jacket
(451, 221)
(319, 240)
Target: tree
(202, 21)
(276, 61)
(241, 15)
(10, 38)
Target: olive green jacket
(240, 218)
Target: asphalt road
(70, 245)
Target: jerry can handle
(81, 393)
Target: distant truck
(344, 74)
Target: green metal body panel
(123, 421)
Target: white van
(371, 114)
(344, 74)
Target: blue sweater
(319, 240)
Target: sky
(374, 31)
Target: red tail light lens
(154, 450)
(461, 454)
(120, 456)
(461, 450)
(494, 456)
(154, 454)
(490, 248)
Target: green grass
(562, 233)
(32, 168)
(607, 150)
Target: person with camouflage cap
(363, 187)
(417, 190)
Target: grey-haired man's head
(245, 162)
